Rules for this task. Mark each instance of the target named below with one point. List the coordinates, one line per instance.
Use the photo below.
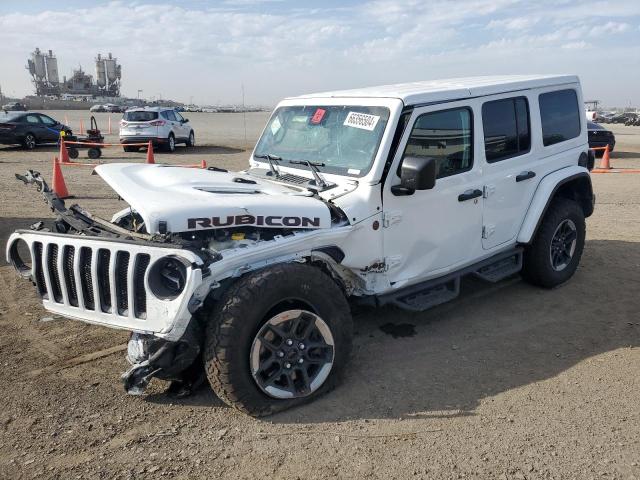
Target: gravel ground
(508, 382)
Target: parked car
(632, 120)
(622, 117)
(112, 108)
(29, 129)
(162, 125)
(600, 137)
(98, 108)
(15, 107)
(379, 196)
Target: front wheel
(277, 338)
(191, 141)
(553, 256)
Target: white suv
(162, 125)
(385, 195)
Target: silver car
(163, 126)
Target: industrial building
(46, 79)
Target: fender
(543, 195)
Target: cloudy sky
(276, 48)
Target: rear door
(34, 125)
(526, 136)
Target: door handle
(469, 194)
(525, 176)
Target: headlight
(20, 256)
(168, 277)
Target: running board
(501, 269)
(425, 295)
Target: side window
(446, 136)
(32, 119)
(47, 120)
(560, 116)
(506, 128)
(179, 117)
(169, 115)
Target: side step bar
(433, 292)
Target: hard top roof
(450, 89)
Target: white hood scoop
(190, 199)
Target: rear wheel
(94, 153)
(171, 143)
(29, 141)
(278, 338)
(554, 255)
(73, 152)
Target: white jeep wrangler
(382, 195)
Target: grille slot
(140, 294)
(52, 269)
(122, 292)
(85, 278)
(69, 253)
(104, 288)
(40, 283)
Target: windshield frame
(393, 105)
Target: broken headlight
(168, 277)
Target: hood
(190, 199)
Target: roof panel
(451, 89)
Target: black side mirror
(185, 120)
(417, 173)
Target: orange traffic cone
(64, 154)
(57, 183)
(203, 164)
(81, 128)
(150, 158)
(605, 164)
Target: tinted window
(506, 128)
(445, 136)
(140, 116)
(169, 115)
(560, 116)
(32, 119)
(47, 120)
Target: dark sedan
(600, 137)
(29, 129)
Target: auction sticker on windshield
(361, 120)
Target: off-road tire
(537, 267)
(73, 153)
(131, 149)
(245, 307)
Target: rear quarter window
(140, 116)
(560, 116)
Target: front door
(434, 231)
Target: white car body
(162, 124)
(387, 242)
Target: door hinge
(488, 230)
(391, 218)
(488, 190)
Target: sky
(206, 50)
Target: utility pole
(139, 92)
(244, 117)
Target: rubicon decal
(260, 220)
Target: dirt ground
(507, 382)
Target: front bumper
(106, 282)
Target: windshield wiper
(271, 159)
(313, 166)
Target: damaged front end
(92, 270)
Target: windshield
(140, 116)
(344, 138)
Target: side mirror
(416, 173)
(185, 120)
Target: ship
(43, 68)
